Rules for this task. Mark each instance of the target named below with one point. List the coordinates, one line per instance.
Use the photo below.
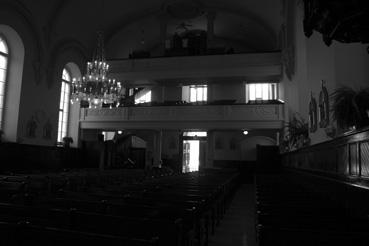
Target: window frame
(272, 91)
(6, 77)
(204, 88)
(61, 110)
(144, 95)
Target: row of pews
(119, 207)
(289, 214)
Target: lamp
(95, 87)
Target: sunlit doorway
(194, 151)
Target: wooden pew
(24, 234)
(199, 200)
(287, 214)
(168, 232)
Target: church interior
(184, 122)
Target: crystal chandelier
(95, 87)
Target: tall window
(64, 105)
(198, 93)
(4, 55)
(261, 91)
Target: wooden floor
(237, 228)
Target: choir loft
(184, 122)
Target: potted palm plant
(350, 107)
(67, 141)
(296, 134)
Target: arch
(68, 114)
(248, 146)
(63, 52)
(69, 54)
(127, 20)
(14, 82)
(20, 12)
(73, 69)
(4, 58)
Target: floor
(237, 228)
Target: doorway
(194, 151)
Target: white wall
(228, 91)
(172, 93)
(338, 65)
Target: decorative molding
(47, 130)
(31, 127)
(323, 106)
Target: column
(210, 154)
(158, 139)
(210, 27)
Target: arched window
(64, 105)
(4, 55)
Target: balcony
(235, 116)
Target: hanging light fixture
(95, 87)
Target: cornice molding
(59, 48)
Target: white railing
(202, 116)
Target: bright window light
(64, 105)
(198, 93)
(108, 135)
(4, 54)
(261, 91)
(143, 98)
(195, 134)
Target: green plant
(67, 141)
(349, 107)
(296, 133)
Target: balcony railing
(236, 116)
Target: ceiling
(244, 25)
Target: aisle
(237, 228)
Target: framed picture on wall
(323, 107)
(313, 121)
